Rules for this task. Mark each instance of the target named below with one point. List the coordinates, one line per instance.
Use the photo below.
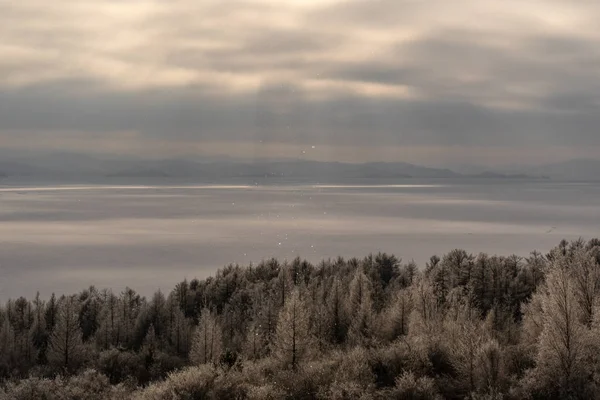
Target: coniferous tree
(65, 349)
(254, 345)
(585, 273)
(465, 334)
(398, 314)
(89, 314)
(108, 333)
(293, 340)
(207, 341)
(361, 309)
(562, 346)
(337, 313)
(8, 358)
(486, 328)
(38, 334)
(284, 284)
(130, 306)
(427, 316)
(180, 333)
(51, 312)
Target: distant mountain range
(74, 166)
(574, 170)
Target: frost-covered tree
(398, 314)
(254, 346)
(464, 334)
(65, 349)
(284, 283)
(337, 313)
(109, 333)
(361, 309)
(319, 315)
(585, 273)
(293, 340)
(179, 332)
(89, 314)
(427, 316)
(7, 346)
(158, 316)
(207, 342)
(562, 346)
(51, 311)
(536, 266)
(38, 333)
(130, 306)
(490, 375)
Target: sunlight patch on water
(376, 186)
(123, 187)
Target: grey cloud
(284, 114)
(503, 85)
(463, 66)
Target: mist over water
(65, 238)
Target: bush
(90, 385)
(389, 362)
(346, 390)
(408, 387)
(189, 384)
(120, 366)
(32, 389)
(265, 392)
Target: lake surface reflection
(66, 238)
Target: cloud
(140, 76)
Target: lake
(65, 238)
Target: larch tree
(426, 318)
(262, 328)
(319, 314)
(533, 320)
(563, 339)
(536, 265)
(109, 333)
(586, 280)
(38, 333)
(150, 347)
(180, 332)
(284, 283)
(90, 311)
(7, 344)
(253, 346)
(157, 313)
(130, 304)
(489, 368)
(337, 313)
(207, 342)
(397, 315)
(465, 334)
(65, 347)
(361, 309)
(51, 311)
(293, 340)
(20, 314)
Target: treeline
(464, 326)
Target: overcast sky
(429, 82)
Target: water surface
(65, 238)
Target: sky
(429, 82)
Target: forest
(463, 326)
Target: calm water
(65, 238)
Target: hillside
(574, 170)
(463, 326)
(75, 167)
